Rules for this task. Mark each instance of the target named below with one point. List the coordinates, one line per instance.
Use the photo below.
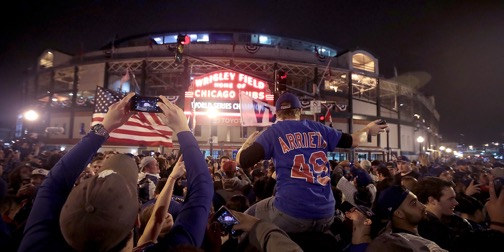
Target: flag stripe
(132, 127)
(125, 141)
(136, 137)
(143, 129)
(136, 132)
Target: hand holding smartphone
(382, 122)
(227, 220)
(145, 104)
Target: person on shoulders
(303, 200)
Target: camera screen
(226, 219)
(145, 104)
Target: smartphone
(145, 104)
(227, 220)
(498, 185)
(381, 122)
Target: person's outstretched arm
(251, 152)
(160, 210)
(373, 128)
(190, 224)
(42, 231)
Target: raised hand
(173, 116)
(374, 128)
(472, 188)
(179, 169)
(118, 113)
(494, 207)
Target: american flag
(142, 129)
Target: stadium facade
(341, 88)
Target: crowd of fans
(87, 200)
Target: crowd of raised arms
(280, 193)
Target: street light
(27, 121)
(387, 130)
(420, 140)
(442, 148)
(211, 113)
(30, 115)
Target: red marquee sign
(220, 90)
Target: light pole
(420, 140)
(211, 113)
(387, 130)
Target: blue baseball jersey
(298, 150)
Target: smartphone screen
(145, 104)
(227, 220)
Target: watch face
(99, 130)
(97, 127)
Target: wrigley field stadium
(213, 76)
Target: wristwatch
(98, 129)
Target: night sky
(459, 43)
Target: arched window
(363, 62)
(46, 61)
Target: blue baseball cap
(403, 159)
(363, 178)
(390, 199)
(287, 101)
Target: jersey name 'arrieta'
(302, 140)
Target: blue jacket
(190, 224)
(43, 233)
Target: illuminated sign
(221, 90)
